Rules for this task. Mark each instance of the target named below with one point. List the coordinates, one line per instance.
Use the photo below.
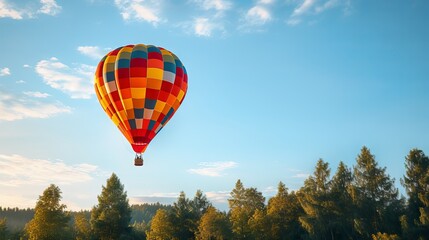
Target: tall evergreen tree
(260, 225)
(161, 226)
(214, 225)
(284, 210)
(243, 204)
(375, 197)
(184, 218)
(317, 203)
(50, 220)
(200, 204)
(343, 208)
(111, 217)
(417, 167)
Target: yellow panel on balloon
(155, 73)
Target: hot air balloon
(140, 87)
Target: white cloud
(26, 66)
(303, 8)
(76, 82)
(266, 2)
(219, 196)
(142, 10)
(218, 5)
(203, 27)
(17, 171)
(4, 71)
(258, 15)
(20, 107)
(301, 175)
(36, 94)
(213, 169)
(8, 11)
(20, 81)
(315, 7)
(91, 51)
(49, 7)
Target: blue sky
(274, 85)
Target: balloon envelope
(140, 87)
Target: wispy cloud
(26, 66)
(218, 196)
(49, 7)
(17, 170)
(36, 94)
(205, 27)
(212, 169)
(301, 175)
(218, 5)
(13, 107)
(257, 16)
(8, 10)
(91, 51)
(316, 7)
(211, 20)
(4, 71)
(76, 81)
(141, 10)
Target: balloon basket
(138, 160)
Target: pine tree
(375, 197)
(243, 204)
(161, 226)
(111, 217)
(214, 225)
(50, 220)
(317, 203)
(184, 218)
(284, 210)
(343, 208)
(260, 225)
(199, 204)
(417, 167)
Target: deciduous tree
(50, 219)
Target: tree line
(360, 202)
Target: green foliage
(283, 211)
(145, 212)
(342, 217)
(373, 193)
(111, 217)
(415, 221)
(162, 226)
(82, 226)
(316, 200)
(385, 236)
(50, 219)
(214, 225)
(362, 204)
(260, 225)
(243, 204)
(3, 229)
(16, 218)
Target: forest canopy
(357, 202)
